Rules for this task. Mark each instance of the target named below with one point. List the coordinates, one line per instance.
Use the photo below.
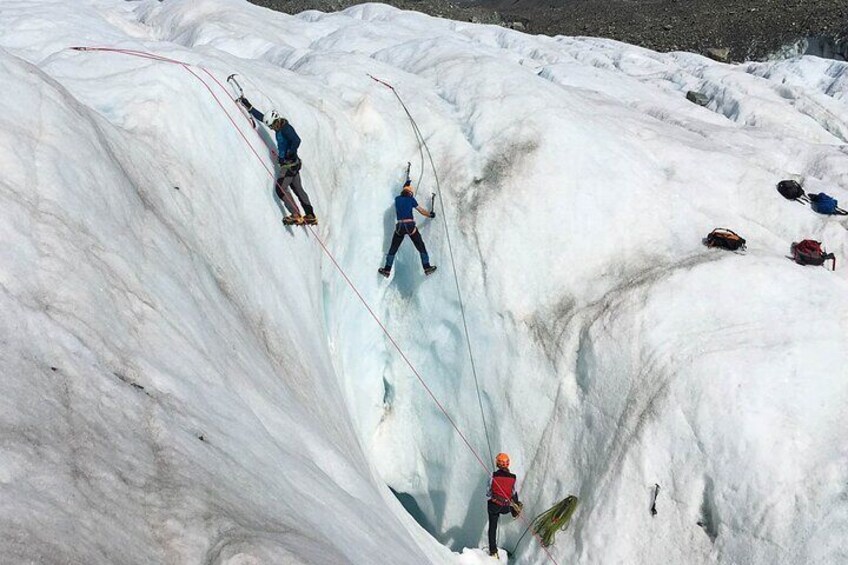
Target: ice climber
(405, 203)
(503, 499)
(287, 143)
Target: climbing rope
(323, 245)
(422, 144)
(188, 68)
(415, 131)
(548, 523)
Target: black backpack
(726, 239)
(790, 189)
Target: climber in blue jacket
(405, 203)
(287, 144)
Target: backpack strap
(832, 257)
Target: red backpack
(810, 252)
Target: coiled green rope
(553, 520)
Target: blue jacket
(287, 139)
(404, 205)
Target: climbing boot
(384, 271)
(429, 269)
(310, 220)
(293, 220)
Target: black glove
(432, 213)
(245, 102)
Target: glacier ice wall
(188, 381)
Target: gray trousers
(285, 186)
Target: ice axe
(654, 500)
(240, 94)
(235, 84)
(409, 182)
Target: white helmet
(271, 117)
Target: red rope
(397, 347)
(186, 66)
(241, 108)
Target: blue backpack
(823, 203)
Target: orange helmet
(502, 460)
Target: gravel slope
(725, 29)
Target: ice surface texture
(187, 381)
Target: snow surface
(187, 381)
